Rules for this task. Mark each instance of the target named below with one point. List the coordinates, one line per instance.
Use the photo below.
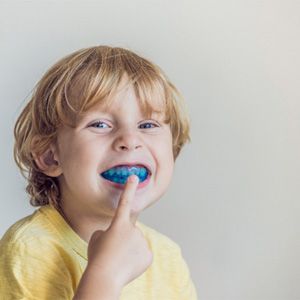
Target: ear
(48, 162)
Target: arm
(94, 285)
(115, 256)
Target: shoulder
(155, 236)
(39, 237)
(30, 230)
(169, 263)
(30, 254)
(29, 238)
(22, 230)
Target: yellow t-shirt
(41, 257)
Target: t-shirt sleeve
(187, 289)
(33, 271)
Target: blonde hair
(71, 87)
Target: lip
(121, 186)
(135, 163)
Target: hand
(121, 253)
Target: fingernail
(133, 178)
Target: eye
(99, 124)
(149, 125)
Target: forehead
(114, 109)
(127, 98)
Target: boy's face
(123, 135)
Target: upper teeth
(123, 170)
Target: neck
(84, 225)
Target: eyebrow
(105, 112)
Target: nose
(127, 142)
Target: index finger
(126, 199)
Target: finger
(133, 217)
(126, 198)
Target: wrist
(97, 284)
(106, 275)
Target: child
(98, 141)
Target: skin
(111, 262)
(100, 214)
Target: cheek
(78, 159)
(166, 158)
(166, 147)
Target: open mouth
(120, 173)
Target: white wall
(233, 204)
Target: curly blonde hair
(72, 86)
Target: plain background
(233, 204)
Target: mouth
(117, 175)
